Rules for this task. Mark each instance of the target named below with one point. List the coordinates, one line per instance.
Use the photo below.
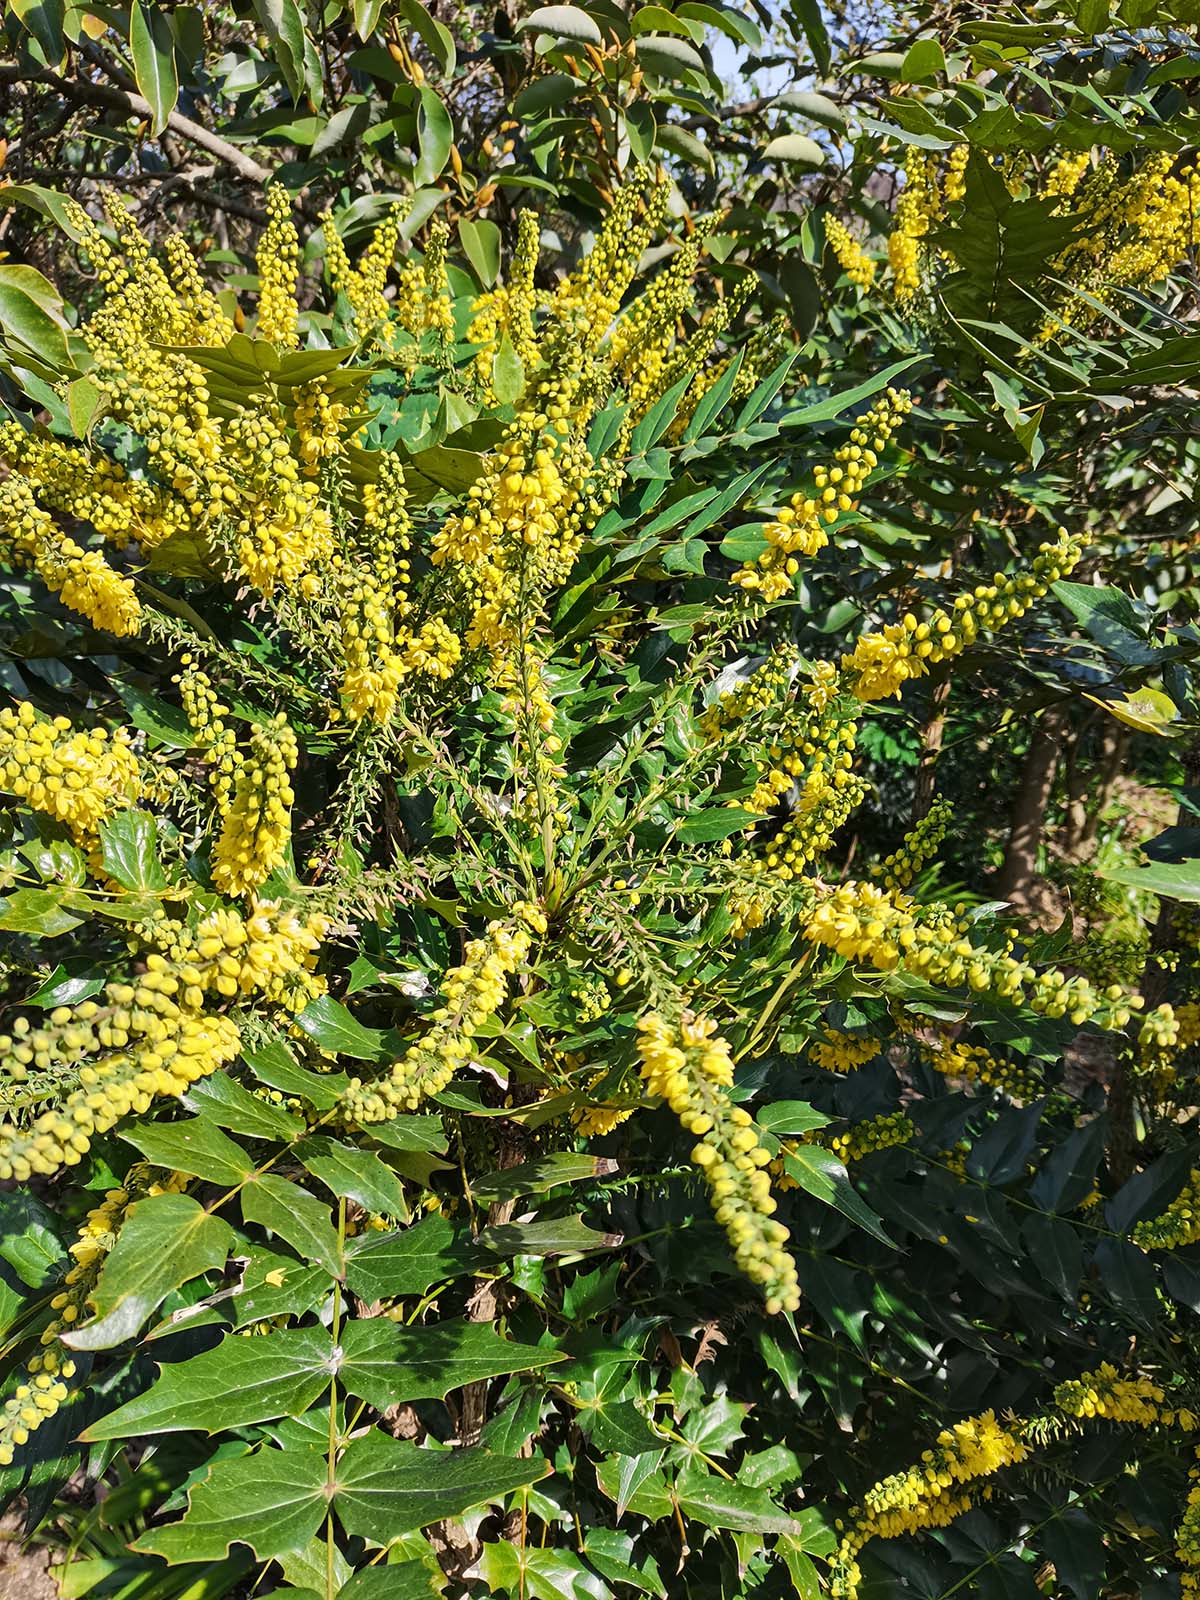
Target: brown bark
(932, 735)
(1114, 746)
(1028, 825)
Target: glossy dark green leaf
(295, 1216)
(386, 1487)
(381, 1266)
(272, 1500)
(129, 850)
(29, 1239)
(354, 1174)
(821, 1174)
(152, 45)
(329, 1025)
(385, 1363)
(195, 1146)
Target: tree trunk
(1114, 746)
(1019, 871)
(931, 748)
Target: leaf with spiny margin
(403, 1580)
(275, 1065)
(129, 850)
(166, 1240)
(195, 1146)
(554, 1237)
(354, 1174)
(411, 1260)
(227, 1103)
(238, 1382)
(275, 1285)
(272, 1500)
(386, 1487)
(716, 1503)
(535, 1177)
(329, 1025)
(385, 1364)
(424, 1133)
(821, 1174)
(296, 1217)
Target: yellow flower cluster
(1187, 1538)
(1065, 176)
(849, 253)
(1177, 1226)
(508, 309)
(46, 1384)
(954, 1058)
(588, 298)
(916, 210)
(928, 1495)
(258, 825)
(82, 579)
(688, 1065)
(85, 488)
(887, 930)
(213, 736)
(269, 952)
(881, 663)
(760, 692)
(472, 992)
(278, 262)
(842, 1052)
(800, 528)
(865, 1138)
(79, 777)
(364, 285)
(1105, 1394)
(320, 423)
(918, 849)
(954, 177)
(136, 1047)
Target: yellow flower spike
(849, 254)
(78, 777)
(255, 832)
(278, 262)
(688, 1065)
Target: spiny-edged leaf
(790, 1117)
(166, 1240)
(296, 1216)
(29, 1240)
(272, 1500)
(555, 1236)
(224, 1101)
(329, 1025)
(274, 1064)
(238, 1382)
(821, 1174)
(719, 1504)
(276, 1285)
(622, 1478)
(385, 1364)
(380, 1266)
(354, 1174)
(400, 1580)
(703, 827)
(542, 1574)
(36, 913)
(195, 1146)
(535, 1177)
(129, 850)
(63, 988)
(1068, 1174)
(410, 1133)
(386, 1487)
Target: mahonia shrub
(467, 1125)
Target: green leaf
(366, 17)
(434, 35)
(923, 60)
(275, 1065)
(836, 404)
(29, 1240)
(224, 1101)
(563, 22)
(386, 1487)
(719, 1504)
(1173, 880)
(666, 56)
(481, 244)
(272, 1500)
(385, 1364)
(435, 135)
(541, 1175)
(195, 1146)
(329, 1025)
(790, 1117)
(508, 373)
(795, 147)
(382, 1266)
(238, 1382)
(166, 1240)
(811, 19)
(706, 826)
(398, 1580)
(36, 913)
(44, 19)
(555, 1236)
(63, 988)
(296, 1216)
(152, 46)
(817, 107)
(354, 1174)
(129, 850)
(821, 1174)
(682, 142)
